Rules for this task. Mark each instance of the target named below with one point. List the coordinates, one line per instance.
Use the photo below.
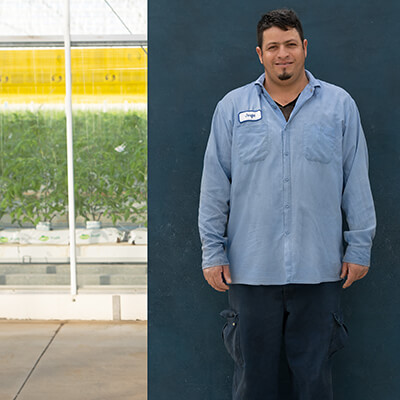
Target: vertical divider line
(70, 150)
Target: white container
(138, 236)
(93, 224)
(9, 236)
(43, 226)
(105, 235)
(35, 236)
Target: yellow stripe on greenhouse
(115, 75)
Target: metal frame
(70, 151)
(75, 40)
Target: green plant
(111, 165)
(110, 151)
(33, 168)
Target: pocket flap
(228, 314)
(230, 335)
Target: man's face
(283, 55)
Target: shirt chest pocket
(319, 143)
(253, 141)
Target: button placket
(286, 198)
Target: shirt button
(286, 154)
(286, 179)
(287, 206)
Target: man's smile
(284, 64)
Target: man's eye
(271, 48)
(292, 44)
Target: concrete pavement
(73, 360)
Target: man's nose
(282, 52)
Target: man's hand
(214, 275)
(354, 272)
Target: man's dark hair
(282, 18)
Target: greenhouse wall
(109, 94)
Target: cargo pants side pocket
(339, 335)
(231, 335)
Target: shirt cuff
(360, 255)
(215, 262)
(214, 255)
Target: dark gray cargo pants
(305, 318)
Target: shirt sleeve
(357, 201)
(215, 190)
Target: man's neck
(286, 92)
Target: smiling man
(285, 161)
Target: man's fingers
(217, 283)
(209, 275)
(350, 279)
(355, 272)
(227, 273)
(213, 276)
(345, 269)
(365, 272)
(219, 279)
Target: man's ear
(259, 52)
(305, 43)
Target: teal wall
(198, 51)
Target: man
(285, 158)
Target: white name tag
(249, 116)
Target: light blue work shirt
(273, 192)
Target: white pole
(70, 149)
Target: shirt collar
(311, 80)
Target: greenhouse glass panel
(109, 94)
(89, 17)
(33, 169)
(110, 145)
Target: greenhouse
(73, 155)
